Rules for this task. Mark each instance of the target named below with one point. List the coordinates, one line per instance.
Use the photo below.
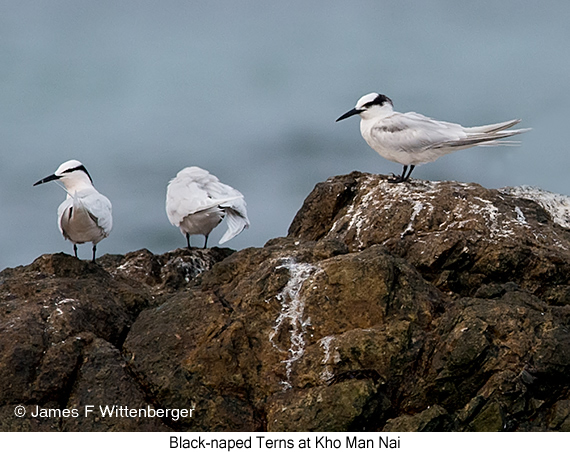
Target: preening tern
(196, 202)
(85, 215)
(413, 139)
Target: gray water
(250, 90)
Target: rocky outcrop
(410, 307)
(63, 323)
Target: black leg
(403, 177)
(206, 241)
(410, 173)
(94, 251)
(75, 249)
(188, 241)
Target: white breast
(85, 217)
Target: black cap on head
(381, 99)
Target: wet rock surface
(427, 306)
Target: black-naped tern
(196, 202)
(85, 215)
(413, 139)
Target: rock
(342, 407)
(62, 325)
(241, 345)
(432, 419)
(429, 306)
(490, 419)
(459, 236)
(559, 416)
(102, 364)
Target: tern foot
(403, 177)
(398, 179)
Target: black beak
(47, 179)
(348, 114)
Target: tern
(413, 139)
(196, 202)
(85, 215)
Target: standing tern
(85, 215)
(413, 139)
(196, 202)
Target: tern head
(369, 106)
(72, 173)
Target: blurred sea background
(250, 91)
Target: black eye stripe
(79, 168)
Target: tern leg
(188, 241)
(403, 177)
(410, 173)
(75, 249)
(94, 251)
(206, 241)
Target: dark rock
(324, 408)
(102, 364)
(459, 236)
(62, 325)
(429, 306)
(490, 419)
(432, 419)
(559, 416)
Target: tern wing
(62, 210)
(493, 127)
(413, 132)
(410, 132)
(236, 217)
(100, 210)
(233, 203)
(488, 138)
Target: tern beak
(348, 114)
(47, 179)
